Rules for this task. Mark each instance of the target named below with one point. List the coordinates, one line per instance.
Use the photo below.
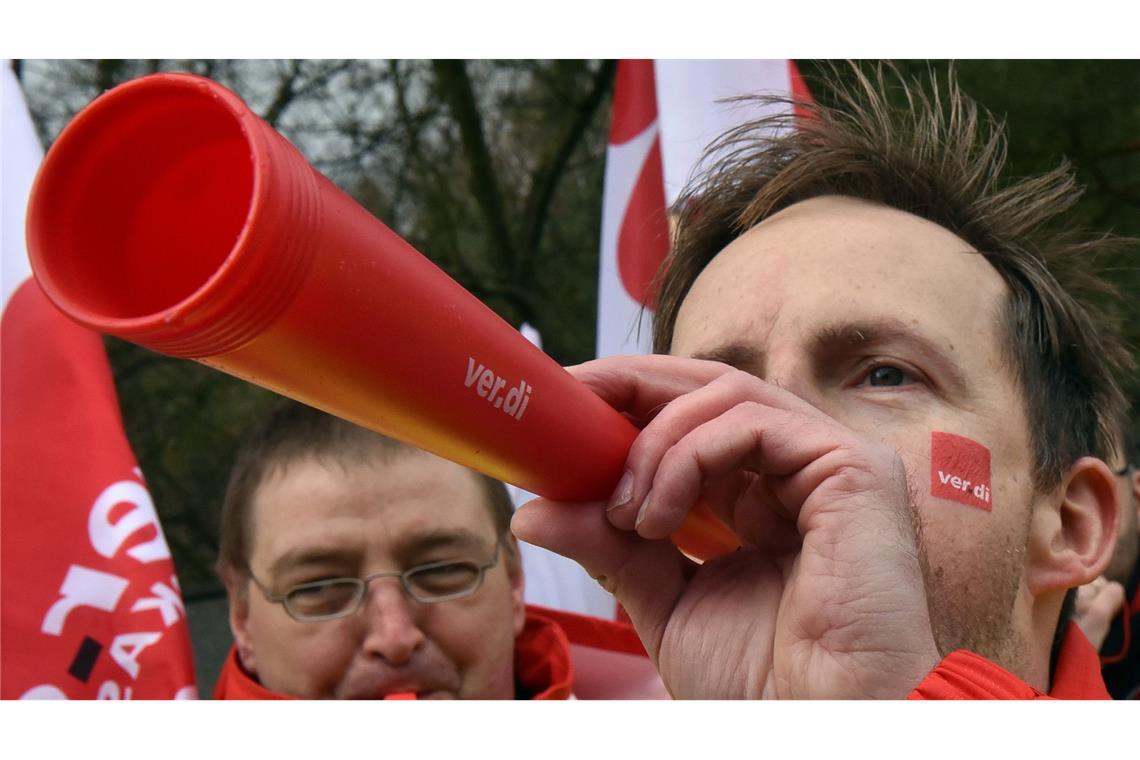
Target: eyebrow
(416, 543)
(739, 355)
(865, 333)
(308, 556)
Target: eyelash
(863, 375)
(316, 578)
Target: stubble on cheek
(972, 594)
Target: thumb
(646, 576)
(1097, 605)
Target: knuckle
(736, 382)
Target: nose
(393, 629)
(792, 373)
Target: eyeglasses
(338, 597)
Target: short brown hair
(941, 158)
(294, 431)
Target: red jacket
(1120, 652)
(598, 659)
(557, 652)
(965, 675)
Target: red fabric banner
(89, 602)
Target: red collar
(542, 659)
(1078, 669)
(235, 683)
(965, 675)
(542, 666)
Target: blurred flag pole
(665, 114)
(553, 580)
(89, 603)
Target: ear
(518, 584)
(1072, 535)
(237, 589)
(1135, 482)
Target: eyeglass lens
(322, 599)
(427, 583)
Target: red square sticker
(960, 470)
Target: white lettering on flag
(166, 600)
(80, 536)
(83, 587)
(108, 537)
(127, 647)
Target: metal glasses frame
(361, 585)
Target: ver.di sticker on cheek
(960, 470)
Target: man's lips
(403, 695)
(384, 691)
(383, 687)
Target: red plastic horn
(168, 214)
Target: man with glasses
(357, 567)
(1108, 609)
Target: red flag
(665, 114)
(89, 602)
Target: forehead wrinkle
(438, 538)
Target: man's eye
(323, 598)
(445, 579)
(313, 588)
(886, 376)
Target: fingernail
(623, 493)
(641, 512)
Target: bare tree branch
(455, 87)
(549, 173)
(1126, 148)
(437, 198)
(107, 73)
(284, 95)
